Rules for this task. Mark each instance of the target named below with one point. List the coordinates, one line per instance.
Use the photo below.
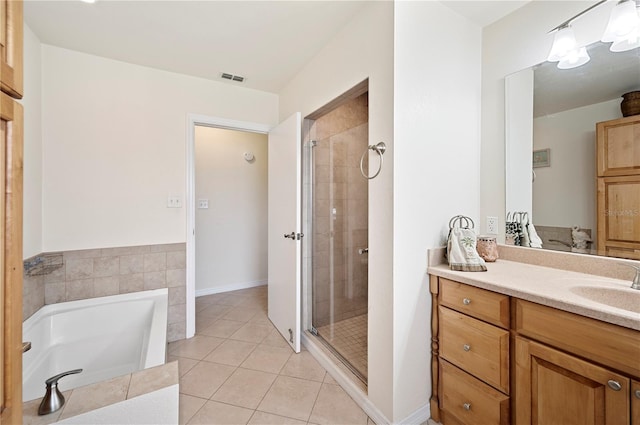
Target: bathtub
(106, 337)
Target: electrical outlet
(174, 202)
(492, 225)
(203, 203)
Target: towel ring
(379, 148)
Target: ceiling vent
(232, 77)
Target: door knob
(291, 235)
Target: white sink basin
(619, 298)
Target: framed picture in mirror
(542, 158)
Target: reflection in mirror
(549, 108)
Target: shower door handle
(293, 236)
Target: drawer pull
(467, 406)
(466, 347)
(466, 301)
(637, 393)
(614, 385)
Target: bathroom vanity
(526, 344)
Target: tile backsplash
(110, 271)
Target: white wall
(564, 194)
(231, 235)
(436, 170)
(32, 209)
(114, 147)
(518, 41)
(364, 48)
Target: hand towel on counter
(461, 251)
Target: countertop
(551, 287)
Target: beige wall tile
(177, 295)
(152, 379)
(84, 253)
(155, 262)
(176, 277)
(57, 275)
(104, 286)
(168, 247)
(176, 260)
(155, 280)
(130, 264)
(131, 283)
(106, 266)
(79, 268)
(176, 331)
(79, 289)
(55, 293)
(125, 250)
(177, 313)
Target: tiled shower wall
(340, 213)
(111, 271)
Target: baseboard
(227, 288)
(341, 376)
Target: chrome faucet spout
(635, 283)
(53, 400)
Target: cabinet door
(618, 147)
(11, 261)
(619, 216)
(11, 47)
(635, 403)
(556, 388)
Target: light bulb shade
(630, 42)
(574, 59)
(563, 43)
(623, 21)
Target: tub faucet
(635, 283)
(53, 399)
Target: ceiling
(606, 76)
(267, 42)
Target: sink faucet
(635, 284)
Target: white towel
(534, 239)
(462, 253)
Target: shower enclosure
(337, 219)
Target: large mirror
(551, 117)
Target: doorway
(337, 220)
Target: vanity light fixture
(623, 32)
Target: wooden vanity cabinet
(559, 367)
(618, 187)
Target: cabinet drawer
(485, 305)
(477, 347)
(470, 401)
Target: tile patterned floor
(239, 370)
(349, 338)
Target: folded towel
(461, 251)
(535, 240)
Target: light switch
(174, 201)
(203, 203)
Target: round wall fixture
(248, 156)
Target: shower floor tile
(349, 338)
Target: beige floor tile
(259, 303)
(245, 388)
(274, 339)
(290, 397)
(303, 366)
(203, 322)
(214, 413)
(204, 379)
(328, 379)
(370, 422)
(184, 364)
(263, 418)
(189, 405)
(267, 359)
(252, 332)
(231, 300)
(240, 314)
(196, 348)
(222, 328)
(262, 318)
(335, 406)
(214, 310)
(231, 352)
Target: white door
(284, 276)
